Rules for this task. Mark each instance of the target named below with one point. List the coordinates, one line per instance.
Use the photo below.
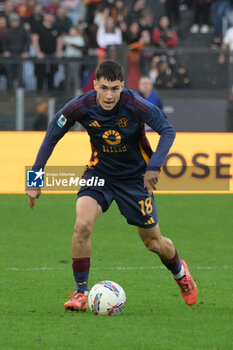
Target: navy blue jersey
(119, 144)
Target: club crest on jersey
(112, 137)
(61, 121)
(123, 122)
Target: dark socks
(175, 266)
(81, 268)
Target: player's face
(108, 92)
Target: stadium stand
(134, 40)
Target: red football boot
(78, 302)
(187, 286)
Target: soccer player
(114, 118)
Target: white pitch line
(43, 268)
(120, 268)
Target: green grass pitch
(36, 275)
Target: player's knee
(154, 245)
(83, 228)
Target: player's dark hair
(110, 70)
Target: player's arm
(59, 125)
(157, 120)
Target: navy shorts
(133, 200)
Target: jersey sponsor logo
(123, 122)
(112, 137)
(113, 149)
(35, 178)
(95, 124)
(61, 121)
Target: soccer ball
(106, 298)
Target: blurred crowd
(72, 28)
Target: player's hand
(151, 178)
(33, 194)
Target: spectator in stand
(109, 35)
(145, 89)
(74, 45)
(92, 45)
(101, 15)
(154, 72)
(218, 9)
(182, 79)
(52, 6)
(124, 29)
(16, 43)
(119, 11)
(35, 19)
(31, 4)
(75, 10)
(133, 33)
(165, 77)
(136, 11)
(227, 20)
(172, 11)
(24, 9)
(135, 47)
(3, 29)
(82, 30)
(46, 41)
(227, 43)
(163, 35)
(62, 21)
(91, 8)
(9, 8)
(201, 16)
(145, 50)
(146, 21)
(146, 39)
